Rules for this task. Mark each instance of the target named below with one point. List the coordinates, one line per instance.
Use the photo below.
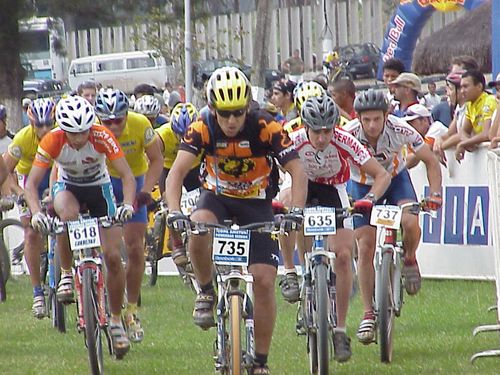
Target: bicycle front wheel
(386, 313)
(235, 334)
(58, 308)
(93, 337)
(3, 280)
(322, 323)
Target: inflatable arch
(407, 22)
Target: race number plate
(386, 216)
(319, 220)
(84, 234)
(188, 201)
(231, 247)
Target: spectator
(478, 112)
(87, 90)
(143, 89)
(419, 117)
(344, 93)
(322, 79)
(391, 69)
(282, 98)
(5, 136)
(456, 102)
(431, 99)
(496, 85)
(294, 66)
(25, 103)
(173, 99)
(464, 62)
(406, 89)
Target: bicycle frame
(229, 285)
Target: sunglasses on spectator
(115, 121)
(235, 113)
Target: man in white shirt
(431, 98)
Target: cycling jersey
(480, 110)
(241, 166)
(83, 167)
(135, 138)
(23, 148)
(389, 151)
(293, 125)
(171, 146)
(330, 166)
(159, 121)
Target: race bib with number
(231, 247)
(319, 221)
(84, 234)
(188, 201)
(386, 216)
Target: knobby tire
(387, 312)
(92, 331)
(235, 334)
(323, 326)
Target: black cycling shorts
(263, 249)
(326, 196)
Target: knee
(343, 257)
(68, 213)
(113, 261)
(264, 283)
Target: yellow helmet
(228, 88)
(304, 90)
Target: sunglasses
(235, 113)
(115, 121)
(44, 124)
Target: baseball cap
(494, 83)
(409, 80)
(285, 86)
(416, 111)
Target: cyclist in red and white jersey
(386, 136)
(80, 149)
(325, 150)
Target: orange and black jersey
(241, 166)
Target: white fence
(349, 21)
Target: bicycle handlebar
(57, 226)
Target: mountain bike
(234, 345)
(339, 72)
(388, 263)
(91, 296)
(316, 316)
(57, 310)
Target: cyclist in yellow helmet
(239, 145)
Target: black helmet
(371, 100)
(320, 112)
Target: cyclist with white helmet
(19, 159)
(80, 149)
(325, 150)
(142, 151)
(149, 106)
(386, 136)
(239, 146)
(171, 134)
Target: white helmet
(147, 105)
(75, 114)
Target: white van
(122, 71)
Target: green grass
(433, 336)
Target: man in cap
(496, 85)
(406, 89)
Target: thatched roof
(469, 35)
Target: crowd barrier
(458, 243)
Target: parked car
(44, 88)
(202, 70)
(363, 59)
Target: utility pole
(261, 47)
(188, 68)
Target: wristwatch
(371, 196)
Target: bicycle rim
(5, 250)
(4, 263)
(235, 335)
(3, 292)
(92, 331)
(386, 309)
(322, 323)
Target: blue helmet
(41, 112)
(182, 116)
(111, 104)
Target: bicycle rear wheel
(93, 334)
(322, 323)
(235, 335)
(386, 313)
(10, 228)
(3, 280)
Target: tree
(261, 44)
